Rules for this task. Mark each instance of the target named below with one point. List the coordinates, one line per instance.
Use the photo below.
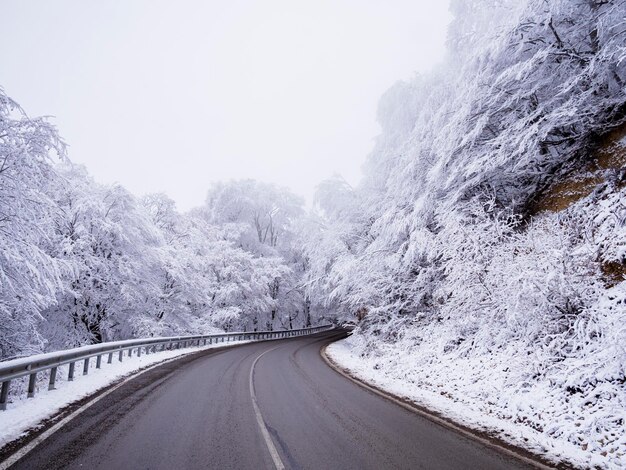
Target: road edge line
(444, 422)
(269, 443)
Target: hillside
(485, 252)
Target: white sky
(173, 95)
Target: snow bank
(487, 393)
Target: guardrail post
(121, 355)
(98, 361)
(4, 394)
(70, 374)
(139, 351)
(86, 366)
(130, 352)
(32, 380)
(53, 378)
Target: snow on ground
(24, 413)
(478, 393)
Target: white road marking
(278, 463)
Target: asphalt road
(256, 406)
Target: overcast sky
(173, 95)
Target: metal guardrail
(31, 365)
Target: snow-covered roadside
(453, 389)
(24, 413)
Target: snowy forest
(485, 252)
(483, 256)
(84, 263)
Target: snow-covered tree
(29, 276)
(112, 247)
(266, 219)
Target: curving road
(274, 404)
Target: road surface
(274, 404)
